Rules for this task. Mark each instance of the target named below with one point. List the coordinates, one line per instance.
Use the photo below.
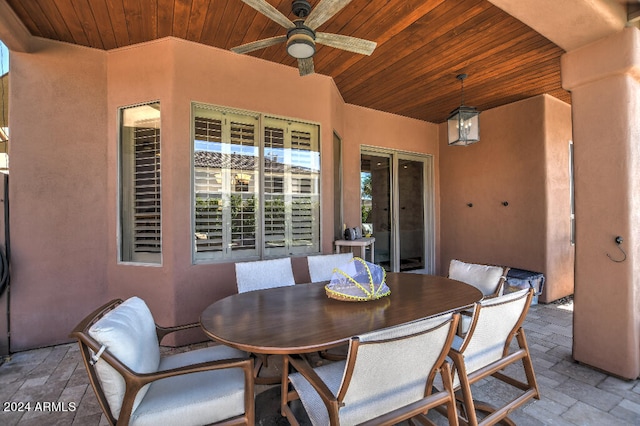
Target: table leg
(372, 255)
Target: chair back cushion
(321, 267)
(129, 333)
(484, 277)
(497, 318)
(392, 367)
(263, 274)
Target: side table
(360, 242)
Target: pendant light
(463, 124)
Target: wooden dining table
(302, 319)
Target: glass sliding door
(410, 183)
(375, 190)
(397, 208)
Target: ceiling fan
(301, 37)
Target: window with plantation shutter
(140, 201)
(256, 185)
(292, 188)
(226, 171)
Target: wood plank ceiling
(422, 45)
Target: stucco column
(604, 80)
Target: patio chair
(260, 275)
(119, 344)
(485, 351)
(486, 278)
(321, 266)
(386, 378)
(264, 274)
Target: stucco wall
(605, 82)
(521, 159)
(57, 189)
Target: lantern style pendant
(463, 123)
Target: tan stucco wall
(521, 159)
(57, 189)
(605, 82)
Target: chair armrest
(244, 363)
(161, 332)
(303, 367)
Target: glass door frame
(428, 200)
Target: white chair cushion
(129, 333)
(321, 267)
(263, 274)
(197, 398)
(484, 277)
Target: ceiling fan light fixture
(301, 42)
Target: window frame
(120, 205)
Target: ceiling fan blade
(350, 44)
(323, 12)
(305, 66)
(270, 12)
(260, 44)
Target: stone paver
(54, 384)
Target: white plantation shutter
(208, 187)
(305, 191)
(274, 191)
(147, 235)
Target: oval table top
(301, 318)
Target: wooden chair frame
(134, 381)
(413, 411)
(466, 405)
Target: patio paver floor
(53, 379)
